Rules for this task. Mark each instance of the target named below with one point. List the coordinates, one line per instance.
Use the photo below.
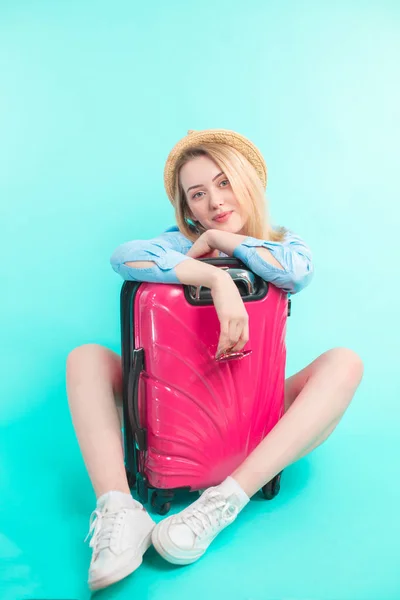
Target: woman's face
(209, 195)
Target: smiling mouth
(222, 216)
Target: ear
(189, 218)
(190, 222)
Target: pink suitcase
(190, 420)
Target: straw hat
(220, 136)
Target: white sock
(230, 486)
(122, 497)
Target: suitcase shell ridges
(203, 417)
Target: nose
(216, 200)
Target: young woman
(216, 181)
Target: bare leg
(316, 399)
(94, 387)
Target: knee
(349, 364)
(78, 357)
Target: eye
(225, 182)
(196, 196)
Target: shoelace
(102, 526)
(206, 517)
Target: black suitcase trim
(135, 436)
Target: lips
(222, 216)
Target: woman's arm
(169, 265)
(151, 260)
(163, 260)
(286, 264)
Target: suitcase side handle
(140, 434)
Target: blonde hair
(246, 186)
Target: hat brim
(220, 136)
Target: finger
(235, 330)
(199, 248)
(223, 342)
(195, 252)
(237, 345)
(243, 339)
(213, 254)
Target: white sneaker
(183, 538)
(121, 533)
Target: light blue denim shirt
(169, 249)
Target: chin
(234, 225)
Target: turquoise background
(93, 96)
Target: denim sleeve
(292, 253)
(165, 251)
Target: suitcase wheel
(161, 502)
(271, 489)
(131, 480)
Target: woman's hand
(220, 241)
(231, 311)
(202, 248)
(232, 315)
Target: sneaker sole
(166, 556)
(110, 578)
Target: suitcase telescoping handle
(239, 276)
(251, 286)
(139, 433)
